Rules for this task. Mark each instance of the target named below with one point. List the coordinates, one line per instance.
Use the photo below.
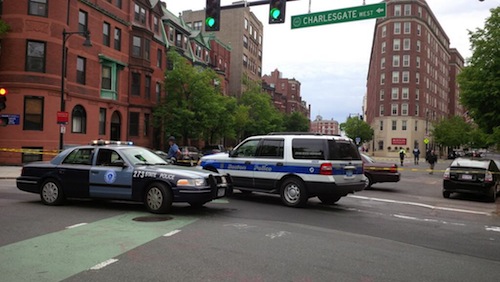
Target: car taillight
(394, 168)
(446, 174)
(488, 177)
(326, 169)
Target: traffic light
(4, 121)
(212, 15)
(277, 11)
(3, 98)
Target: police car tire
(51, 193)
(158, 198)
(329, 199)
(293, 192)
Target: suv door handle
(279, 164)
(247, 162)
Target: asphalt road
(400, 231)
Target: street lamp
(86, 43)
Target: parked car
(213, 149)
(473, 176)
(120, 171)
(377, 172)
(297, 166)
(189, 156)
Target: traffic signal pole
(247, 4)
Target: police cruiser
(297, 166)
(120, 171)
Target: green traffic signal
(275, 13)
(210, 22)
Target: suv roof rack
(294, 133)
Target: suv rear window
(342, 150)
(321, 149)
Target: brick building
(323, 126)
(411, 77)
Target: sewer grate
(152, 218)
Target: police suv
(120, 171)
(297, 166)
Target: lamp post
(86, 43)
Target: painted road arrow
(339, 16)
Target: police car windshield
(142, 156)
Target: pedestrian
(402, 154)
(416, 155)
(173, 151)
(432, 160)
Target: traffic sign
(358, 139)
(339, 16)
(62, 117)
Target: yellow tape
(399, 169)
(30, 151)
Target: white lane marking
(171, 233)
(277, 234)
(240, 226)
(76, 225)
(420, 205)
(103, 264)
(427, 220)
(492, 228)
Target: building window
(406, 44)
(407, 28)
(35, 56)
(382, 63)
(106, 29)
(394, 125)
(406, 60)
(383, 47)
(384, 31)
(396, 44)
(395, 77)
(139, 14)
(382, 94)
(147, 87)
(33, 113)
(82, 21)
(406, 77)
(197, 25)
(405, 93)
(397, 10)
(118, 39)
(417, 78)
(136, 84)
(159, 58)
(394, 109)
(106, 77)
(380, 145)
(102, 121)
(80, 70)
(404, 110)
(416, 125)
(38, 8)
(147, 49)
(418, 62)
(78, 120)
(397, 28)
(417, 94)
(419, 30)
(404, 125)
(381, 125)
(407, 9)
(395, 61)
(417, 110)
(119, 3)
(136, 46)
(245, 41)
(246, 23)
(245, 60)
(419, 12)
(158, 92)
(133, 126)
(155, 24)
(381, 110)
(395, 93)
(146, 124)
(418, 45)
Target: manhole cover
(152, 218)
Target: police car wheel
(329, 199)
(158, 198)
(51, 193)
(293, 193)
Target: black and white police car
(120, 171)
(297, 166)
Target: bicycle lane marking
(62, 254)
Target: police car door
(269, 163)
(241, 163)
(110, 176)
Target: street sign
(12, 119)
(62, 117)
(339, 16)
(358, 140)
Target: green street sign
(339, 16)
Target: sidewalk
(10, 172)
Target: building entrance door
(115, 126)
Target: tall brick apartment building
(411, 77)
(110, 88)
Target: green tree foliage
(296, 122)
(479, 80)
(452, 132)
(355, 127)
(4, 28)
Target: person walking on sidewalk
(416, 155)
(432, 160)
(402, 154)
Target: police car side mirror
(232, 154)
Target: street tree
(479, 80)
(296, 122)
(452, 132)
(355, 127)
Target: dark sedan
(120, 172)
(472, 176)
(377, 172)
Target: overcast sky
(331, 61)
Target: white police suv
(297, 166)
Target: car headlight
(191, 182)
